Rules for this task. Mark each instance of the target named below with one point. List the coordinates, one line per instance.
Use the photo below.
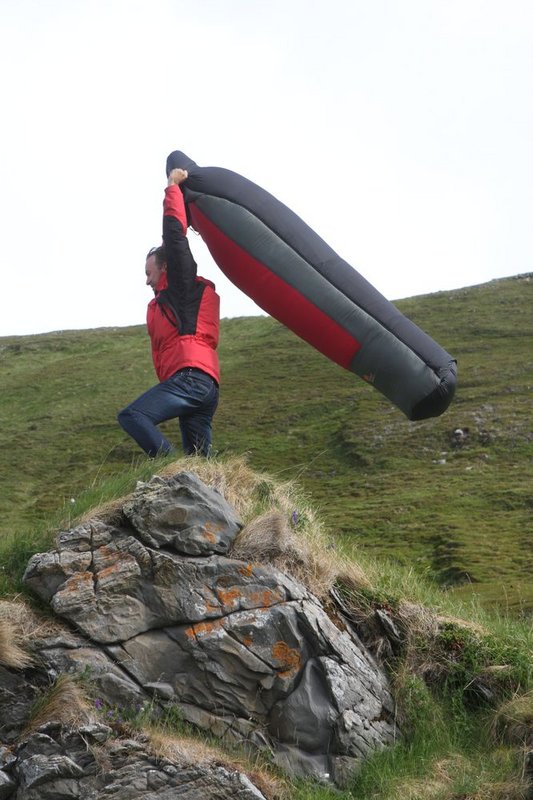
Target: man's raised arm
(181, 266)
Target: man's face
(153, 272)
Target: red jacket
(183, 317)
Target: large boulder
(241, 649)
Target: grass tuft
(63, 703)
(513, 721)
(13, 654)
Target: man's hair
(159, 253)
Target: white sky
(400, 130)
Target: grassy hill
(408, 509)
(399, 490)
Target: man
(183, 323)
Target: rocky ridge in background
(162, 616)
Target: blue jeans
(189, 394)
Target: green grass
(374, 476)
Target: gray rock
(95, 732)
(229, 727)
(240, 649)
(161, 690)
(182, 513)
(40, 744)
(6, 757)
(18, 693)
(109, 682)
(38, 769)
(131, 588)
(389, 626)
(299, 763)
(307, 716)
(125, 771)
(255, 676)
(7, 786)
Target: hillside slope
(458, 509)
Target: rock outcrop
(90, 764)
(161, 612)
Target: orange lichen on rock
(211, 608)
(211, 532)
(266, 598)
(204, 628)
(248, 597)
(105, 551)
(229, 598)
(288, 658)
(247, 570)
(106, 572)
(77, 582)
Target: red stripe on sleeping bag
(274, 295)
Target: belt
(190, 370)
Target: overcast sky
(400, 130)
